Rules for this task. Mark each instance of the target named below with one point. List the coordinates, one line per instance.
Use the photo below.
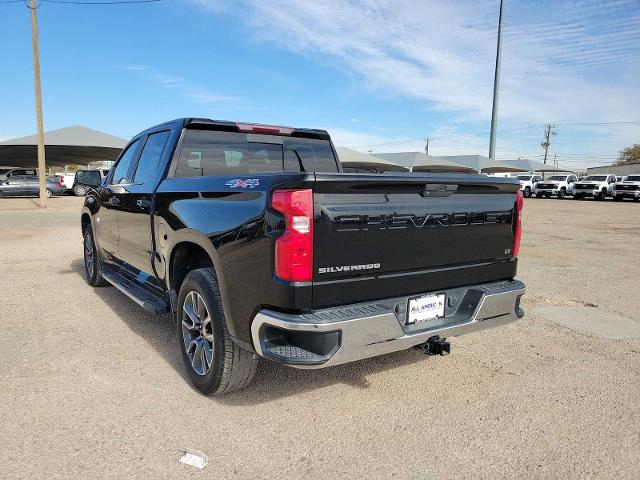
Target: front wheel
(214, 363)
(80, 190)
(617, 198)
(561, 194)
(602, 195)
(92, 263)
(48, 193)
(538, 195)
(527, 192)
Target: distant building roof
(64, 146)
(353, 159)
(421, 162)
(75, 135)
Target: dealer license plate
(425, 307)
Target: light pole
(496, 86)
(36, 78)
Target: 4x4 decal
(247, 183)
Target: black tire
(48, 193)
(577, 196)
(602, 195)
(527, 192)
(80, 190)
(547, 195)
(635, 199)
(538, 195)
(230, 368)
(92, 263)
(561, 193)
(617, 198)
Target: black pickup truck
(258, 243)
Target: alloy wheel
(197, 333)
(89, 258)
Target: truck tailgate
(409, 233)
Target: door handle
(144, 204)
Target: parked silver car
(27, 186)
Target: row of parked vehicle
(23, 182)
(598, 187)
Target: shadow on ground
(271, 382)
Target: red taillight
(58, 185)
(518, 224)
(268, 129)
(294, 248)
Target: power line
(80, 2)
(511, 130)
(114, 2)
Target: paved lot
(92, 386)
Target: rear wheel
(92, 263)
(214, 363)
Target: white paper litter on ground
(194, 458)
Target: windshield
(560, 178)
(633, 178)
(88, 177)
(596, 178)
(524, 178)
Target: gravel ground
(93, 387)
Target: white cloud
(562, 60)
(197, 93)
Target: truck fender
(167, 242)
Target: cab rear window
(208, 153)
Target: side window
(122, 168)
(150, 156)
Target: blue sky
(376, 74)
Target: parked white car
(558, 185)
(528, 183)
(629, 187)
(596, 186)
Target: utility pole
(370, 152)
(36, 78)
(426, 147)
(549, 131)
(496, 87)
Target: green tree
(629, 155)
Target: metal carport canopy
(354, 159)
(420, 162)
(65, 146)
(533, 166)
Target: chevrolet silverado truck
(259, 245)
(629, 187)
(597, 186)
(528, 184)
(558, 185)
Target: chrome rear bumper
(344, 334)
